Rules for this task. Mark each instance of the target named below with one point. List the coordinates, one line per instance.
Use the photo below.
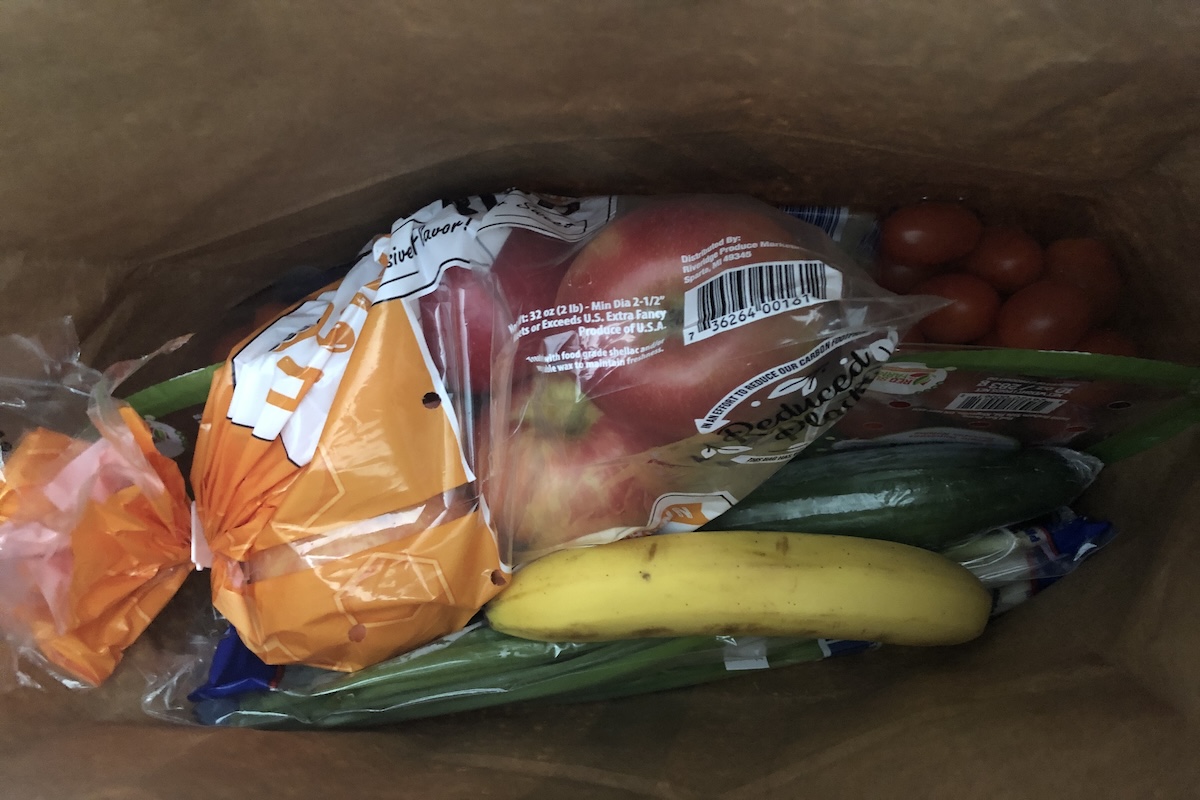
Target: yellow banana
(744, 583)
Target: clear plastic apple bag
(649, 360)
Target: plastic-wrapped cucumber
(928, 495)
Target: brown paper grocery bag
(160, 162)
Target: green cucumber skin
(930, 496)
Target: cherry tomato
(930, 233)
(971, 312)
(1007, 258)
(1088, 265)
(1107, 342)
(1045, 315)
(901, 278)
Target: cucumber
(928, 495)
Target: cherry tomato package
(1109, 406)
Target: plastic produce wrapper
(690, 346)
(475, 668)
(853, 229)
(93, 520)
(505, 375)
(1015, 563)
(1110, 406)
(334, 491)
(480, 667)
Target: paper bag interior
(161, 162)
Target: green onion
(479, 669)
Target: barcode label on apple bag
(738, 297)
(1008, 403)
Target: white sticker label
(746, 653)
(907, 378)
(738, 297)
(779, 458)
(680, 512)
(202, 556)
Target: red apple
(561, 469)
(628, 283)
(463, 316)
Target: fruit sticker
(679, 512)
(905, 378)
